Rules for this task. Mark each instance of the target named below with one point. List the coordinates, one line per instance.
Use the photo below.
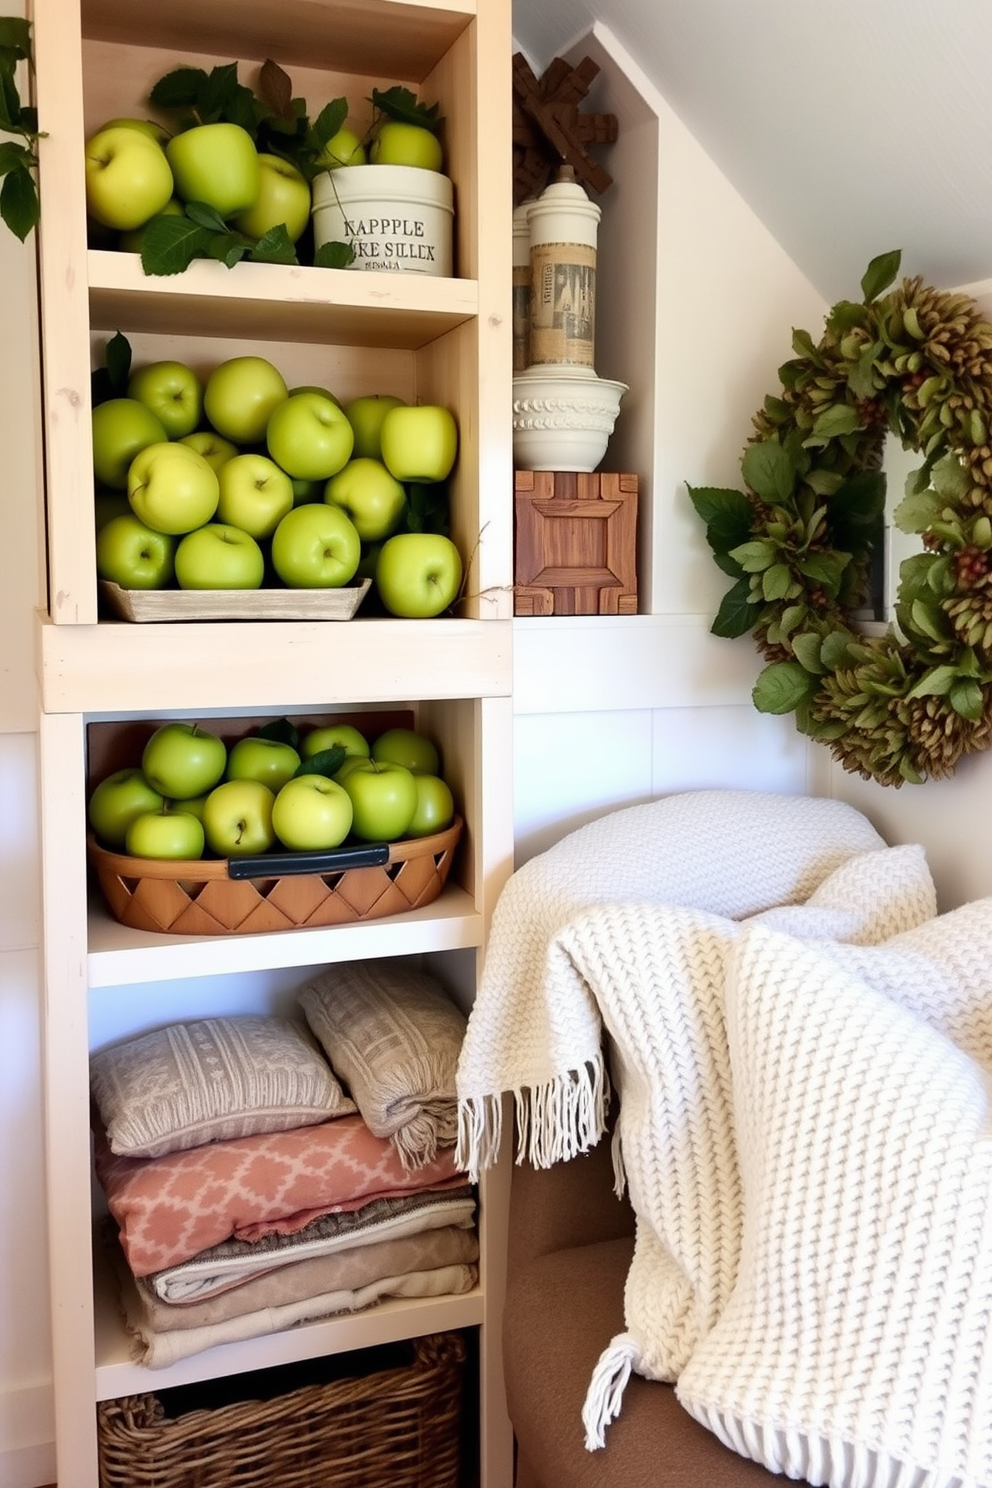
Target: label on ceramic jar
(521, 317)
(391, 243)
(562, 304)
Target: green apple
(418, 574)
(408, 747)
(167, 833)
(171, 488)
(365, 415)
(383, 799)
(315, 547)
(147, 127)
(373, 499)
(269, 760)
(214, 449)
(435, 807)
(130, 242)
(419, 443)
(237, 818)
(116, 801)
(312, 814)
(329, 734)
(133, 555)
(313, 388)
(174, 394)
(240, 396)
(192, 805)
(397, 143)
(216, 164)
(182, 760)
(255, 494)
(122, 428)
(349, 763)
(309, 436)
(283, 197)
(128, 178)
(343, 148)
(219, 556)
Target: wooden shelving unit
(433, 340)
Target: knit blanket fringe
(555, 1121)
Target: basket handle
(335, 860)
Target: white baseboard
(27, 1431)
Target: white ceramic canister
(521, 288)
(563, 225)
(396, 217)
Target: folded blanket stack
(250, 1190)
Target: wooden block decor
(549, 128)
(575, 543)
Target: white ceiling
(850, 126)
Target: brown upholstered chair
(570, 1246)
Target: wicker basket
(199, 898)
(399, 1426)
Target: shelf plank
(391, 1321)
(282, 665)
(120, 957)
(276, 302)
(380, 37)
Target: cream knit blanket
(535, 1029)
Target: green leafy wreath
(798, 541)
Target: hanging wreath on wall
(798, 541)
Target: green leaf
(951, 479)
(825, 569)
(737, 614)
(776, 582)
(756, 556)
(218, 92)
(967, 699)
(926, 620)
(768, 471)
(399, 103)
(835, 652)
(19, 207)
(169, 244)
(14, 157)
(324, 762)
(802, 345)
(275, 246)
(334, 255)
(845, 316)
(880, 273)
(824, 482)
(782, 687)
(428, 508)
(206, 216)
(862, 380)
(728, 516)
(838, 419)
(10, 104)
(179, 89)
(282, 730)
(117, 358)
(807, 649)
(330, 119)
(937, 682)
(15, 36)
(917, 513)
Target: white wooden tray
(233, 604)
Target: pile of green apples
(237, 481)
(192, 796)
(135, 169)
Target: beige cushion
(211, 1080)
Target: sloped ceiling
(850, 126)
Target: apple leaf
(399, 103)
(330, 119)
(110, 380)
(205, 216)
(179, 89)
(275, 246)
(276, 89)
(334, 255)
(169, 244)
(283, 730)
(15, 37)
(19, 202)
(324, 762)
(880, 273)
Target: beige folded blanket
(391, 1032)
(436, 1263)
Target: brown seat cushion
(561, 1311)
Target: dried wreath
(798, 541)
